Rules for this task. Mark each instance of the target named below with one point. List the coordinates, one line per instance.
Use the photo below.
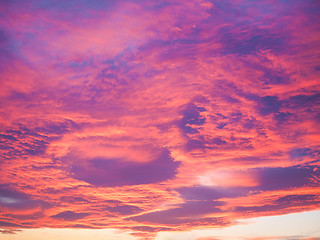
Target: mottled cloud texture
(156, 116)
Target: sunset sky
(159, 120)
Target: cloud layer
(156, 116)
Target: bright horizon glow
(76, 234)
(289, 226)
(274, 227)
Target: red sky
(152, 116)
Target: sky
(160, 120)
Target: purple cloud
(269, 104)
(70, 215)
(191, 116)
(188, 212)
(124, 209)
(12, 199)
(285, 178)
(204, 193)
(282, 203)
(24, 141)
(150, 229)
(114, 172)
(303, 101)
(10, 225)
